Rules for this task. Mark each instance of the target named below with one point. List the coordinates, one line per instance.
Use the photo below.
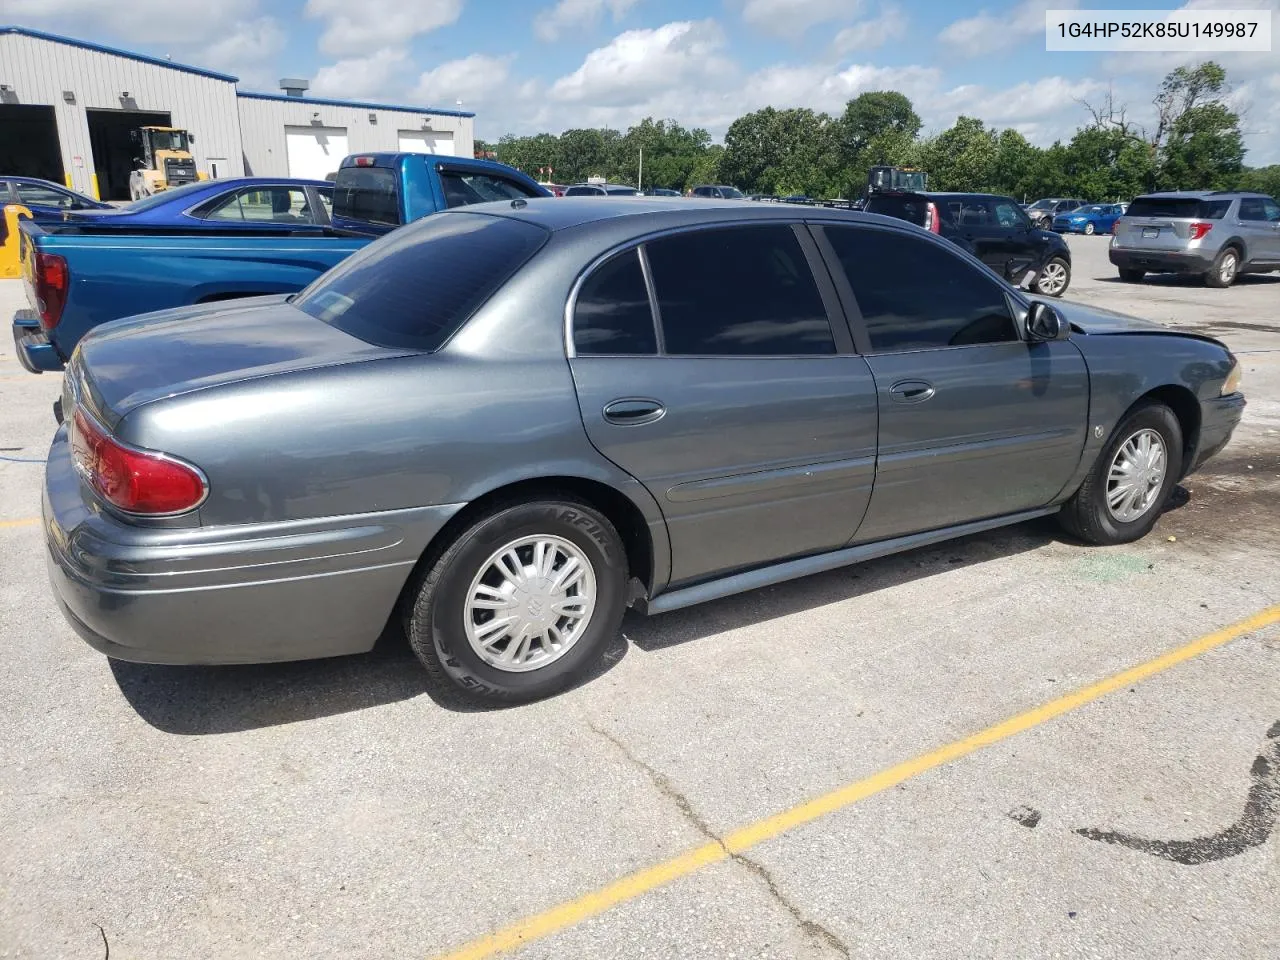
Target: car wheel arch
(648, 556)
(1185, 407)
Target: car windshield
(731, 193)
(169, 140)
(164, 196)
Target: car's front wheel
(1054, 278)
(522, 604)
(1121, 497)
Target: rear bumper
(1218, 419)
(1161, 261)
(257, 593)
(32, 345)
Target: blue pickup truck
(81, 275)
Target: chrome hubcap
(530, 603)
(1088, 228)
(1053, 279)
(1228, 268)
(1136, 476)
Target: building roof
(116, 52)
(367, 105)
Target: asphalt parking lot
(882, 761)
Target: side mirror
(1045, 323)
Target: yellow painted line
(633, 885)
(23, 522)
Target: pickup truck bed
(113, 274)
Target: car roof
(1201, 194)
(640, 215)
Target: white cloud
(248, 51)
(990, 32)
(575, 15)
(875, 32)
(366, 26)
(638, 63)
(359, 78)
(138, 21)
(474, 80)
(791, 18)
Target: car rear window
(413, 288)
(911, 209)
(1187, 208)
(367, 193)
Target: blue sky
(553, 64)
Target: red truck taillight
(135, 481)
(932, 222)
(1199, 229)
(50, 280)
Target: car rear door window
(369, 194)
(738, 291)
(959, 305)
(612, 314)
(1253, 208)
(413, 288)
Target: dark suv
(994, 229)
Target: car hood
(1096, 321)
(131, 362)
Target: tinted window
(1258, 208)
(911, 209)
(583, 192)
(738, 291)
(974, 213)
(413, 288)
(1180, 207)
(958, 306)
(612, 314)
(620, 191)
(461, 189)
(367, 193)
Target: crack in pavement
(1253, 829)
(810, 928)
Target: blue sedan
(244, 203)
(44, 198)
(1094, 218)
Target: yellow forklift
(163, 160)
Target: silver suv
(1217, 235)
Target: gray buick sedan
(506, 424)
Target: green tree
(877, 127)
(961, 158)
(782, 152)
(1262, 179)
(1014, 164)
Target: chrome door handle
(632, 411)
(911, 391)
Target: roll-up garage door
(426, 141)
(315, 152)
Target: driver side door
(975, 421)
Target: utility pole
(640, 175)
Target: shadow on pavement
(1188, 280)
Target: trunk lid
(131, 362)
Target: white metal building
(67, 108)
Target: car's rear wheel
(1226, 266)
(522, 604)
(1121, 498)
(1088, 229)
(1132, 276)
(1054, 278)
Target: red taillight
(135, 481)
(1198, 230)
(364, 161)
(931, 221)
(50, 279)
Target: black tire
(1131, 276)
(1225, 269)
(434, 616)
(1040, 277)
(1086, 514)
